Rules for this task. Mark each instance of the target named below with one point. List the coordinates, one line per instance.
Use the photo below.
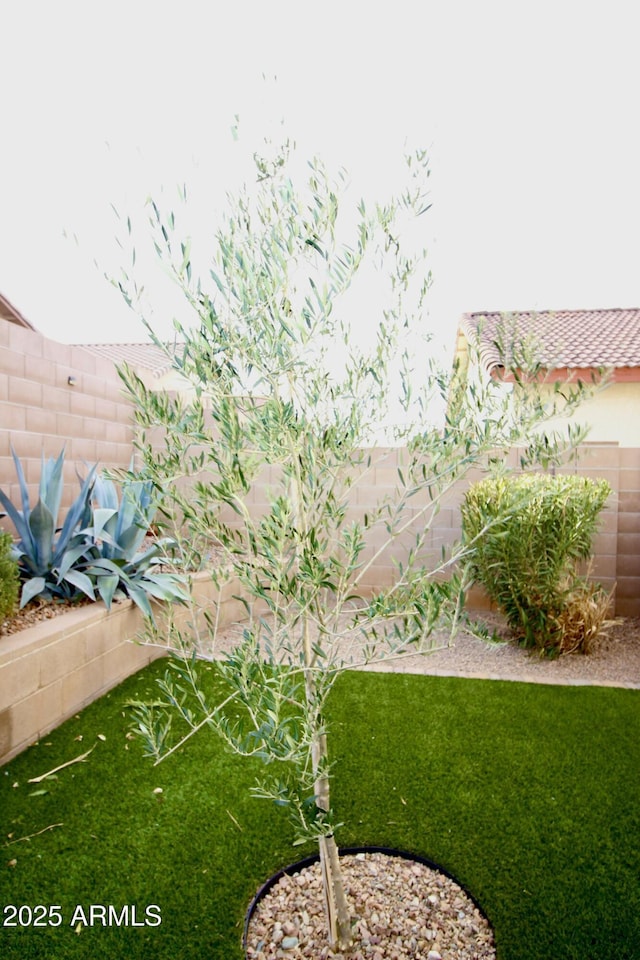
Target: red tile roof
(561, 338)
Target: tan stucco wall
(613, 415)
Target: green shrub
(527, 537)
(9, 578)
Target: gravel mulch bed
(401, 910)
(37, 612)
(615, 661)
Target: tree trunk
(335, 898)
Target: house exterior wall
(40, 412)
(613, 415)
(610, 412)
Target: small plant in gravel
(528, 535)
(279, 385)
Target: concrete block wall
(51, 670)
(628, 534)
(616, 555)
(41, 411)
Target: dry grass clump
(582, 621)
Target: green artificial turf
(527, 794)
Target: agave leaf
(79, 513)
(101, 517)
(81, 581)
(26, 562)
(109, 547)
(145, 499)
(130, 540)
(111, 566)
(105, 493)
(31, 589)
(129, 509)
(107, 584)
(140, 599)
(163, 587)
(17, 518)
(51, 483)
(72, 555)
(145, 558)
(138, 512)
(42, 526)
(24, 490)
(132, 515)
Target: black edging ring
(347, 851)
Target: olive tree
(277, 382)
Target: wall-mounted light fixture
(71, 381)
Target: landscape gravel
(615, 661)
(401, 910)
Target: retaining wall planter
(51, 670)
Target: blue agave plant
(49, 556)
(99, 547)
(122, 565)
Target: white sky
(529, 111)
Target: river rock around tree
(402, 910)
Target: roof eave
(13, 315)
